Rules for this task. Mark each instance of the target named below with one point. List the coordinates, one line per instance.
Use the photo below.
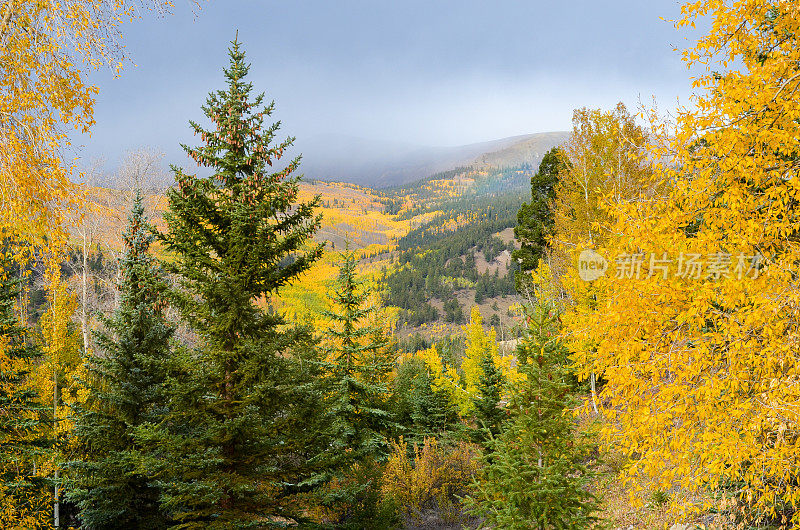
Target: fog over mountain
(379, 164)
(367, 162)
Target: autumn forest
(595, 328)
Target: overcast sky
(432, 72)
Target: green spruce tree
(24, 419)
(112, 483)
(420, 409)
(489, 415)
(535, 220)
(535, 474)
(432, 411)
(357, 362)
(237, 432)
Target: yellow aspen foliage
(46, 49)
(56, 378)
(699, 345)
(23, 514)
(445, 377)
(60, 335)
(479, 342)
(607, 161)
(462, 383)
(544, 284)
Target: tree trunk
(84, 300)
(56, 506)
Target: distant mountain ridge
(369, 163)
(383, 164)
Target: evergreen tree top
(138, 235)
(140, 272)
(241, 232)
(349, 317)
(241, 144)
(349, 292)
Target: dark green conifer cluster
(535, 220)
(536, 472)
(25, 423)
(114, 485)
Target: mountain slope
(442, 242)
(382, 164)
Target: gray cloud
(429, 73)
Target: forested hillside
(600, 334)
(439, 245)
(379, 164)
(460, 255)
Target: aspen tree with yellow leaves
(480, 344)
(55, 376)
(46, 49)
(606, 157)
(606, 160)
(698, 340)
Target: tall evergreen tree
(432, 411)
(24, 419)
(237, 236)
(535, 473)
(111, 483)
(535, 219)
(488, 414)
(357, 361)
(420, 409)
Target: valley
(435, 247)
